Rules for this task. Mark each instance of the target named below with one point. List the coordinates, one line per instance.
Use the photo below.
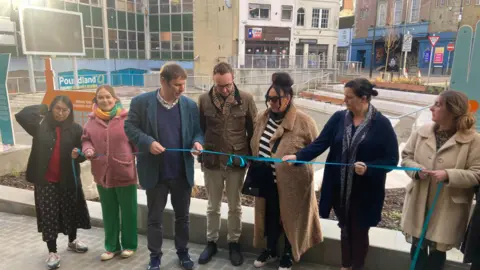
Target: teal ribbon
(244, 158)
(425, 226)
(75, 177)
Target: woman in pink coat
(113, 167)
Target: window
(287, 13)
(112, 38)
(122, 40)
(95, 2)
(363, 13)
(84, 2)
(97, 37)
(188, 41)
(153, 9)
(415, 12)
(164, 6)
(324, 22)
(257, 11)
(111, 4)
(141, 40)
(440, 3)
(154, 41)
(176, 6)
(315, 18)
(176, 41)
(139, 6)
(398, 12)
(477, 2)
(166, 37)
(87, 33)
(187, 6)
(320, 18)
(121, 5)
(382, 14)
(131, 5)
(300, 17)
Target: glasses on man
(273, 98)
(226, 86)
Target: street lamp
(373, 41)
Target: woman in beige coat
(291, 206)
(449, 152)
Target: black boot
(208, 253)
(236, 257)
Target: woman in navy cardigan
(359, 136)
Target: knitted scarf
(349, 154)
(106, 116)
(224, 104)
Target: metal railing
(293, 62)
(22, 84)
(321, 80)
(416, 112)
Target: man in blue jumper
(158, 121)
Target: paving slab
(23, 248)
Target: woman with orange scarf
(113, 167)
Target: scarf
(116, 110)
(224, 104)
(349, 154)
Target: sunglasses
(274, 98)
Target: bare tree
(391, 37)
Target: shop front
(267, 46)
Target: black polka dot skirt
(60, 210)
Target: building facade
(216, 33)
(345, 33)
(421, 18)
(316, 29)
(470, 13)
(265, 33)
(120, 29)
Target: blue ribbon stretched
(425, 226)
(244, 158)
(243, 163)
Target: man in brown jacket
(227, 118)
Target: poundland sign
(84, 81)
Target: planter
(331, 100)
(401, 86)
(308, 95)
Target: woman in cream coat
(448, 151)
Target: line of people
(226, 120)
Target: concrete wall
(215, 33)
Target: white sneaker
(53, 261)
(107, 255)
(264, 258)
(127, 253)
(77, 246)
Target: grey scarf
(349, 153)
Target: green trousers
(119, 211)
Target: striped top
(264, 150)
